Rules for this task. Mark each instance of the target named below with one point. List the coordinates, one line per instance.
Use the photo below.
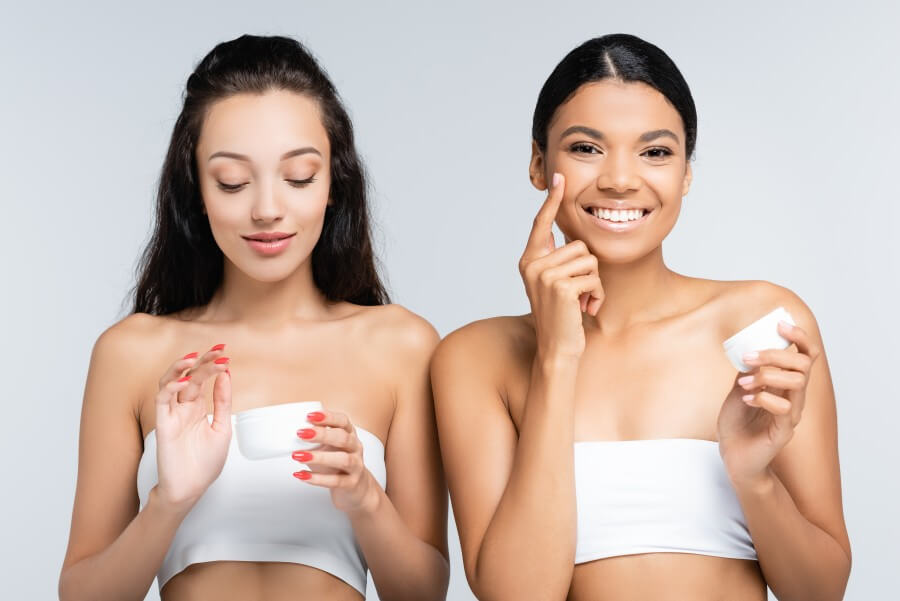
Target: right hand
(561, 283)
(191, 451)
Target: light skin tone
(283, 342)
(607, 313)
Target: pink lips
(269, 243)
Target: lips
(269, 243)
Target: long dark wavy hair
(182, 266)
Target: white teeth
(617, 216)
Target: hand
(191, 452)
(338, 463)
(758, 417)
(561, 283)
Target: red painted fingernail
(184, 379)
(303, 475)
(306, 433)
(221, 360)
(190, 356)
(315, 416)
(302, 456)
(218, 347)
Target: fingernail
(221, 360)
(556, 179)
(184, 379)
(751, 356)
(306, 433)
(786, 325)
(315, 416)
(301, 456)
(190, 356)
(304, 475)
(747, 398)
(745, 380)
(218, 347)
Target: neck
(242, 298)
(635, 292)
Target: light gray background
(795, 182)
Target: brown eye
(658, 153)
(583, 148)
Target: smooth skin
(283, 343)
(619, 347)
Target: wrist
(371, 499)
(171, 508)
(551, 362)
(756, 484)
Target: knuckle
(579, 246)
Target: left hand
(338, 463)
(758, 417)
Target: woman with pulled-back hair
(259, 289)
(602, 447)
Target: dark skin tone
(606, 312)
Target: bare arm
(514, 496)
(793, 507)
(115, 551)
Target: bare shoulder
(742, 302)
(491, 343)
(138, 334)
(396, 330)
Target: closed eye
(300, 183)
(231, 187)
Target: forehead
(263, 126)
(617, 107)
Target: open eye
(658, 152)
(584, 148)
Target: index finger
(540, 241)
(798, 336)
(334, 419)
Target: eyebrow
(598, 135)
(285, 156)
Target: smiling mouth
(617, 215)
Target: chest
(666, 382)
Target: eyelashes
(296, 183)
(656, 153)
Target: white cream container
(271, 431)
(760, 335)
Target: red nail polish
(184, 379)
(302, 475)
(306, 433)
(190, 356)
(315, 416)
(221, 360)
(218, 347)
(302, 456)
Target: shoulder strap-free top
(656, 496)
(257, 511)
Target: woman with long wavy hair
(258, 289)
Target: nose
(267, 206)
(618, 175)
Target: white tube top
(656, 496)
(257, 511)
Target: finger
(168, 394)
(177, 368)
(334, 437)
(772, 403)
(209, 366)
(222, 403)
(585, 284)
(326, 480)
(798, 336)
(563, 254)
(335, 419)
(583, 265)
(779, 358)
(773, 378)
(540, 241)
(338, 460)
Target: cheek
(666, 182)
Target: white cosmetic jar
(271, 431)
(760, 335)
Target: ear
(536, 168)
(688, 177)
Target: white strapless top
(257, 511)
(656, 496)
